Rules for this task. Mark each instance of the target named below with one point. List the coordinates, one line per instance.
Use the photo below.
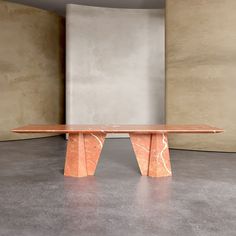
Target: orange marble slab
(141, 145)
(75, 164)
(159, 162)
(83, 152)
(152, 154)
(93, 146)
(117, 129)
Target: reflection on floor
(36, 199)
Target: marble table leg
(83, 152)
(152, 154)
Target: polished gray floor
(36, 199)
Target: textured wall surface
(115, 65)
(59, 6)
(31, 68)
(201, 71)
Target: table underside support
(82, 155)
(152, 154)
(151, 150)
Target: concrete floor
(36, 199)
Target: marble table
(149, 142)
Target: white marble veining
(160, 154)
(98, 139)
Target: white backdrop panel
(115, 65)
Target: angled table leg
(83, 152)
(152, 154)
(93, 147)
(141, 144)
(159, 161)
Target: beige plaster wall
(31, 68)
(201, 70)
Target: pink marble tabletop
(117, 129)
